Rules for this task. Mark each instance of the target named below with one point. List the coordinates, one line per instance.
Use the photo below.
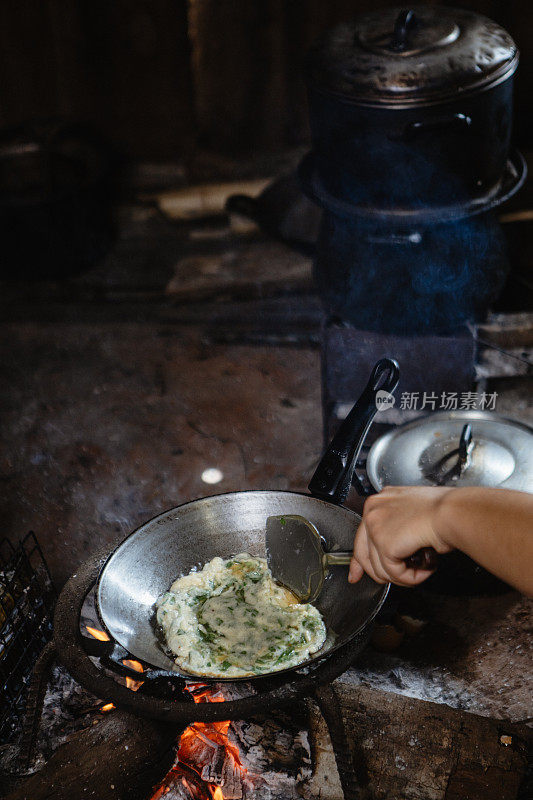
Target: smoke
(410, 280)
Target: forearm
(494, 527)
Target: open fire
(229, 760)
(206, 749)
(128, 662)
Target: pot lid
(457, 448)
(405, 56)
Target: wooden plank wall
(159, 76)
(122, 65)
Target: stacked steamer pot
(411, 115)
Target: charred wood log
(34, 703)
(120, 758)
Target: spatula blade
(295, 555)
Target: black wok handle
(425, 558)
(335, 472)
(333, 476)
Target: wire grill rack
(27, 597)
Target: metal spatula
(296, 555)
(297, 558)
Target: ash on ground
(473, 654)
(273, 752)
(67, 708)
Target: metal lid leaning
(426, 452)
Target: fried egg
(232, 620)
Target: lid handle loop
(405, 22)
(465, 446)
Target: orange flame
(163, 789)
(107, 707)
(138, 667)
(135, 665)
(96, 634)
(128, 662)
(216, 732)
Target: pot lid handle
(463, 451)
(405, 22)
(465, 444)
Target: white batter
(232, 620)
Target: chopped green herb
(277, 636)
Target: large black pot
(412, 108)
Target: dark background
(135, 357)
(163, 78)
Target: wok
(146, 563)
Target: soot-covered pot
(409, 279)
(55, 199)
(412, 107)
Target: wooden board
(120, 758)
(425, 751)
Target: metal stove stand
(96, 665)
(27, 598)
